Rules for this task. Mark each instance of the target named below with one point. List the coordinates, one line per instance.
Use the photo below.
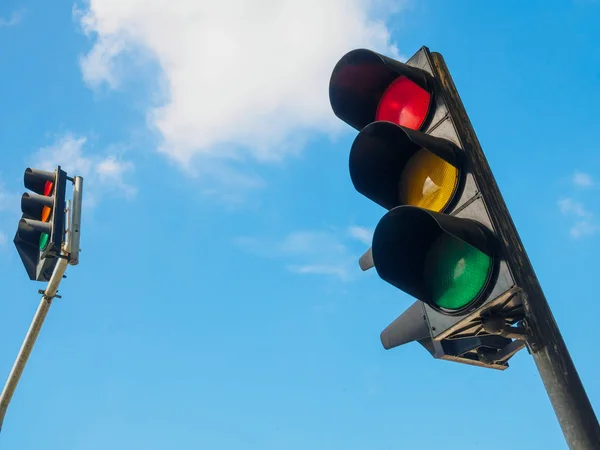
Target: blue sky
(218, 302)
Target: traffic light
(40, 232)
(417, 156)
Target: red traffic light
(366, 87)
(404, 103)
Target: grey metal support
(561, 380)
(74, 229)
(31, 336)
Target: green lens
(44, 241)
(455, 272)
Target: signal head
(366, 87)
(40, 232)
(444, 261)
(395, 166)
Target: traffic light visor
(395, 166)
(35, 179)
(366, 87)
(444, 261)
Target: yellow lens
(427, 181)
(46, 213)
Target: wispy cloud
(105, 170)
(227, 184)
(321, 253)
(583, 179)
(14, 19)
(364, 235)
(9, 211)
(312, 243)
(584, 228)
(312, 252)
(4, 198)
(110, 170)
(582, 217)
(237, 80)
(585, 224)
(321, 269)
(570, 207)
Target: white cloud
(227, 184)
(240, 78)
(14, 19)
(583, 179)
(363, 234)
(585, 224)
(308, 252)
(570, 207)
(10, 212)
(108, 171)
(322, 269)
(111, 170)
(584, 228)
(4, 198)
(66, 151)
(311, 243)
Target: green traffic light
(44, 241)
(455, 272)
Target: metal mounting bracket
(497, 325)
(43, 292)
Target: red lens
(405, 103)
(48, 188)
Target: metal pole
(74, 229)
(30, 337)
(563, 385)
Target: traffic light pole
(563, 385)
(557, 370)
(30, 337)
(71, 247)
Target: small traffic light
(414, 156)
(40, 232)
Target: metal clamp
(43, 292)
(497, 325)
